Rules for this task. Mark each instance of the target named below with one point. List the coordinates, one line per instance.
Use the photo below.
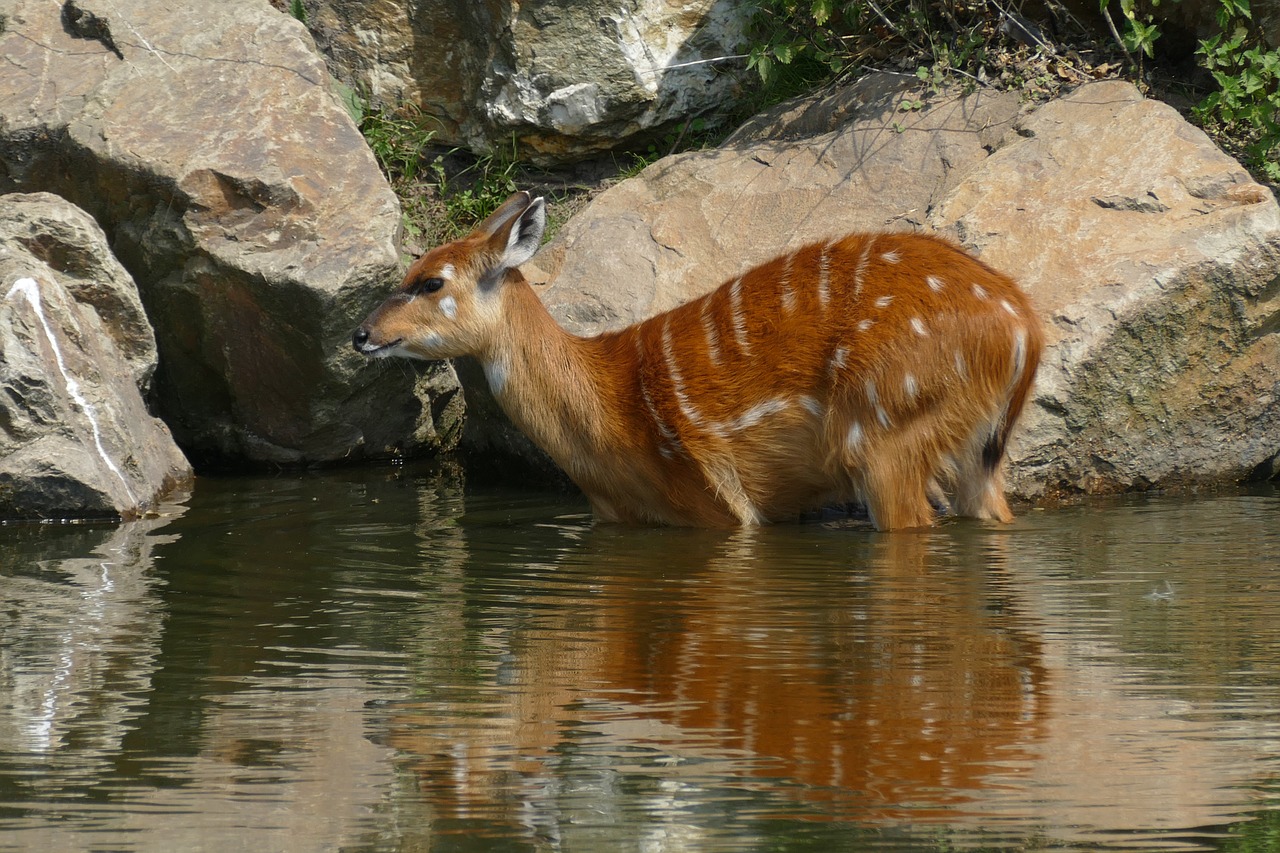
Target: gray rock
(239, 194)
(567, 79)
(1155, 261)
(76, 439)
(1153, 257)
(799, 173)
(67, 240)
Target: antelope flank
(881, 368)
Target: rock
(1155, 260)
(797, 174)
(566, 79)
(239, 194)
(63, 237)
(75, 348)
(1152, 256)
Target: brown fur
(876, 367)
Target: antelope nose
(360, 338)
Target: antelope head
(449, 303)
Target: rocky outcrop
(239, 194)
(76, 439)
(1153, 257)
(1155, 260)
(565, 79)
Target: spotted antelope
(879, 368)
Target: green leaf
(1239, 7)
(1140, 36)
(764, 66)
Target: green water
(387, 660)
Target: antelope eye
(429, 285)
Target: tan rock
(1153, 256)
(246, 205)
(1155, 261)
(77, 439)
(566, 80)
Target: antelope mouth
(360, 341)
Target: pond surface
(382, 660)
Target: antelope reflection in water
(719, 660)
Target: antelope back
(870, 366)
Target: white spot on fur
(672, 441)
(812, 406)
(739, 316)
(883, 417)
(1019, 353)
(824, 274)
(677, 378)
(909, 385)
(447, 272)
(784, 284)
(935, 283)
(449, 307)
(788, 299)
(854, 438)
(837, 360)
(860, 271)
(863, 325)
(883, 301)
(496, 372)
(960, 365)
(713, 335)
(917, 326)
(891, 257)
(979, 291)
(1004, 303)
(757, 413)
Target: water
(382, 660)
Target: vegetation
(799, 46)
(977, 43)
(1244, 112)
(446, 191)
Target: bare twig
(1106, 13)
(696, 62)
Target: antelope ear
(518, 239)
(509, 208)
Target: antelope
(884, 369)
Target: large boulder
(1153, 257)
(237, 191)
(1155, 260)
(565, 79)
(75, 352)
